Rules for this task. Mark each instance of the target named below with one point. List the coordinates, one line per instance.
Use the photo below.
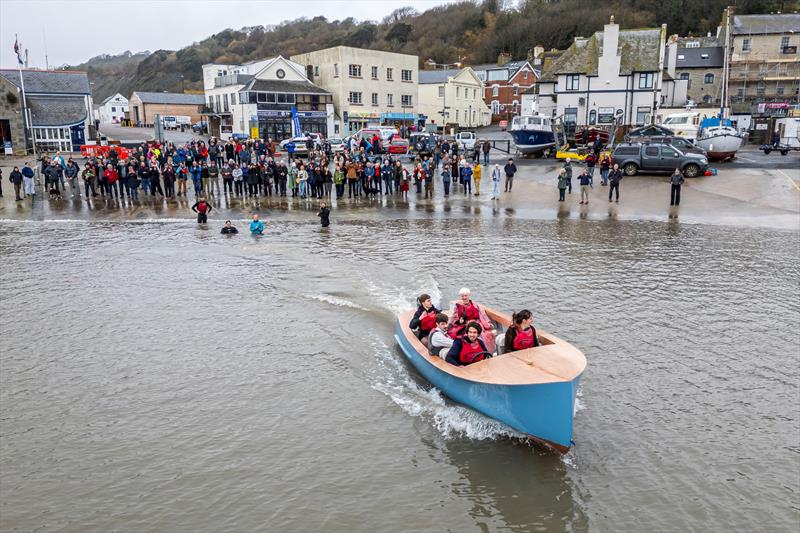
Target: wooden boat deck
(553, 362)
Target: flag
(17, 48)
(296, 123)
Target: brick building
(504, 85)
(144, 106)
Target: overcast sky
(76, 30)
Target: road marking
(745, 159)
(791, 179)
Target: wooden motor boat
(532, 390)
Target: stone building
(12, 123)
(144, 106)
(764, 63)
(59, 107)
(699, 66)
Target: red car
(503, 125)
(398, 145)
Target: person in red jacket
(424, 320)
(111, 177)
(468, 348)
(521, 335)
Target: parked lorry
(174, 122)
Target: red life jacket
(524, 339)
(427, 321)
(472, 311)
(471, 352)
(202, 207)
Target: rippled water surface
(159, 377)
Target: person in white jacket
(439, 342)
(496, 175)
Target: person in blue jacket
(256, 226)
(196, 173)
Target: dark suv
(422, 143)
(645, 157)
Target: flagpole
(28, 126)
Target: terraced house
(612, 74)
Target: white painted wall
(114, 110)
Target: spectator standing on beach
(586, 182)
(27, 180)
(562, 184)
(496, 176)
(676, 180)
(614, 177)
(510, 169)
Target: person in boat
(521, 335)
(229, 229)
(424, 319)
(468, 348)
(439, 342)
(465, 311)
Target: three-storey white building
(369, 87)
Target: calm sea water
(159, 377)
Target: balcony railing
(232, 79)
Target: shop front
(358, 120)
(277, 124)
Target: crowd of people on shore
(254, 168)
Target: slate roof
(50, 81)
(763, 24)
(436, 76)
(56, 110)
(170, 98)
(283, 86)
(638, 50)
(693, 57)
(107, 100)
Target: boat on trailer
(533, 391)
(533, 134)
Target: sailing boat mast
(723, 112)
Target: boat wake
(398, 299)
(334, 300)
(450, 421)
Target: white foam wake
(451, 421)
(334, 300)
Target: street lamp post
(445, 66)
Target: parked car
(684, 145)
(645, 157)
(199, 127)
(503, 125)
(337, 145)
(422, 143)
(466, 140)
(398, 146)
(300, 146)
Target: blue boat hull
(543, 411)
(533, 141)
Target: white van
(466, 139)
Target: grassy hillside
(474, 31)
